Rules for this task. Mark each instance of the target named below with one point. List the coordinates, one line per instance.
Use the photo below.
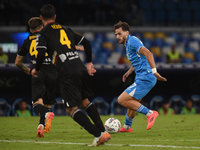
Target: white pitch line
(178, 140)
(70, 143)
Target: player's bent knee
(38, 102)
(85, 103)
(71, 110)
(120, 101)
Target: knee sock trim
(75, 112)
(88, 106)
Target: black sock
(84, 121)
(94, 115)
(41, 110)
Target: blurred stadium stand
(15, 106)
(106, 49)
(106, 12)
(101, 105)
(156, 102)
(5, 108)
(116, 108)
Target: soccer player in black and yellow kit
(43, 87)
(59, 42)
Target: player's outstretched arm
(81, 40)
(144, 51)
(125, 76)
(20, 65)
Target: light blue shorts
(142, 85)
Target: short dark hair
(22, 101)
(189, 99)
(35, 23)
(48, 11)
(123, 25)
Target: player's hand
(125, 76)
(90, 69)
(34, 73)
(159, 77)
(80, 48)
(27, 71)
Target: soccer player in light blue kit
(142, 62)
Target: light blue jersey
(144, 79)
(138, 61)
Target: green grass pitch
(169, 132)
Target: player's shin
(94, 115)
(144, 110)
(84, 121)
(41, 110)
(128, 122)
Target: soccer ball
(112, 125)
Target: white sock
(149, 113)
(126, 127)
(42, 126)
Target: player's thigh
(51, 88)
(70, 92)
(38, 88)
(125, 97)
(85, 89)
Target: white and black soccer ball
(112, 125)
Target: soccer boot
(124, 130)
(49, 117)
(107, 136)
(40, 130)
(99, 140)
(151, 119)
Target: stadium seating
(196, 102)
(58, 108)
(5, 108)
(15, 106)
(156, 102)
(177, 102)
(170, 5)
(101, 105)
(116, 108)
(106, 49)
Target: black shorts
(44, 86)
(74, 88)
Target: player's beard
(121, 41)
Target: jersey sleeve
(135, 44)
(41, 47)
(77, 38)
(23, 50)
(83, 41)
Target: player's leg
(132, 103)
(48, 119)
(41, 110)
(38, 94)
(131, 96)
(50, 96)
(128, 121)
(84, 121)
(130, 115)
(93, 114)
